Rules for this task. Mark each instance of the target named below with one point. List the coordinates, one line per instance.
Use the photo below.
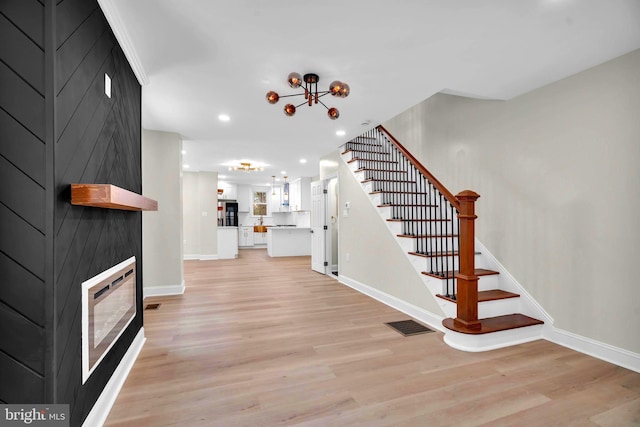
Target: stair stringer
(483, 259)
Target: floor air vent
(409, 327)
(152, 306)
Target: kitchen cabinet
(260, 238)
(260, 235)
(227, 242)
(230, 191)
(288, 241)
(244, 198)
(245, 237)
(275, 200)
(300, 194)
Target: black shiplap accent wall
(22, 202)
(95, 139)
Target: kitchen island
(288, 241)
(227, 242)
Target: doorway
(334, 226)
(325, 227)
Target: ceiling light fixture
(303, 161)
(340, 133)
(311, 93)
(224, 118)
(245, 167)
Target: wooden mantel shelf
(110, 197)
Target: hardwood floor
(262, 341)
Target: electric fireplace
(108, 306)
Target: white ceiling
(207, 57)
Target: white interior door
(318, 227)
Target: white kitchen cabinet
(300, 194)
(260, 239)
(227, 243)
(245, 237)
(275, 200)
(288, 241)
(230, 191)
(244, 198)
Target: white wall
(368, 252)
(329, 165)
(162, 230)
(200, 209)
(191, 214)
(558, 173)
(208, 201)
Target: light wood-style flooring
(262, 341)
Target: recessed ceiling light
(185, 166)
(222, 176)
(224, 118)
(341, 133)
(184, 151)
(303, 160)
(283, 172)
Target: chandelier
(311, 94)
(245, 167)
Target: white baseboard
(618, 356)
(609, 353)
(163, 291)
(432, 320)
(98, 414)
(196, 257)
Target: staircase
(436, 231)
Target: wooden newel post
(467, 295)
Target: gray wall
(200, 209)
(369, 254)
(191, 210)
(162, 230)
(557, 171)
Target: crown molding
(122, 35)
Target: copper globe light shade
(309, 82)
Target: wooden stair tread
(495, 324)
(361, 137)
(417, 220)
(449, 274)
(426, 236)
(396, 205)
(484, 296)
(379, 170)
(435, 254)
(388, 180)
(397, 192)
(368, 144)
(438, 254)
(355, 150)
(358, 159)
